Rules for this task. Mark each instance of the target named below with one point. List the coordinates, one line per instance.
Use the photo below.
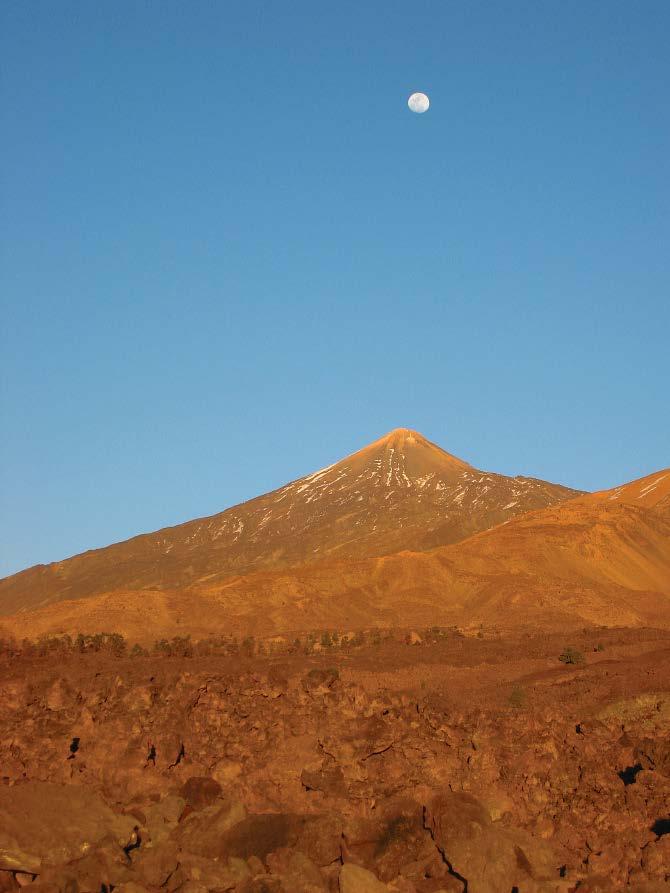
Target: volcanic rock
(201, 791)
(354, 879)
(42, 822)
(489, 857)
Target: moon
(419, 103)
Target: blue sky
(231, 255)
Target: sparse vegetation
(52, 645)
(571, 655)
(307, 643)
(248, 646)
(434, 634)
(517, 697)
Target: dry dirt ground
(468, 764)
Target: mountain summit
(405, 458)
(399, 492)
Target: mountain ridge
(399, 492)
(594, 563)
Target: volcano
(400, 492)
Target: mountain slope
(574, 563)
(400, 492)
(595, 562)
(651, 491)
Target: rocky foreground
(416, 769)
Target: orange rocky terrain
(396, 675)
(454, 764)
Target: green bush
(571, 655)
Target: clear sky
(231, 255)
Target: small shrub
(517, 697)
(248, 646)
(599, 647)
(571, 655)
(115, 643)
(181, 646)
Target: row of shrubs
(116, 645)
(106, 643)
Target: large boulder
(200, 792)
(395, 839)
(354, 879)
(161, 818)
(104, 867)
(297, 871)
(229, 834)
(359, 741)
(50, 823)
(212, 874)
(154, 865)
(202, 831)
(487, 855)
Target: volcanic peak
(398, 436)
(399, 492)
(404, 437)
(408, 452)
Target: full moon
(419, 103)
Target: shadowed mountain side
(580, 563)
(400, 492)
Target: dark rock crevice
(180, 756)
(450, 868)
(629, 774)
(661, 827)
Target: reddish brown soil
(466, 764)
